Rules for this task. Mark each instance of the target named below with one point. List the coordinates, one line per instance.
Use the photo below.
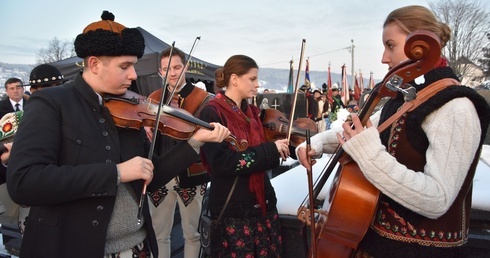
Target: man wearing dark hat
(82, 175)
(43, 76)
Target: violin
(132, 110)
(275, 126)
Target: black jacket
(6, 106)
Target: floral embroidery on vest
(395, 134)
(411, 234)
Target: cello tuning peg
(409, 94)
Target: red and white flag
(357, 88)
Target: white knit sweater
(453, 132)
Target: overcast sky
(271, 31)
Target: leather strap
(228, 199)
(422, 96)
(194, 100)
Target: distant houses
(473, 74)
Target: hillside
(269, 77)
(277, 79)
(20, 71)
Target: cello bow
(309, 172)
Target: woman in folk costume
(250, 224)
(424, 163)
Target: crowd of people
(324, 109)
(91, 186)
(319, 107)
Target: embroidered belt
(423, 242)
(390, 224)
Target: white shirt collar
(21, 103)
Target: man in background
(16, 99)
(188, 188)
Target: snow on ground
(481, 182)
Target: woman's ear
(234, 79)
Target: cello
(351, 202)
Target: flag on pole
(307, 74)
(329, 86)
(290, 82)
(371, 81)
(345, 87)
(357, 88)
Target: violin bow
(182, 72)
(154, 137)
(309, 172)
(295, 98)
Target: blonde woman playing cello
(422, 164)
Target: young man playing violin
(81, 174)
(188, 187)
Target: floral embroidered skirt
(254, 237)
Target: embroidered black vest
(407, 142)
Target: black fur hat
(109, 38)
(45, 74)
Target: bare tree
(469, 25)
(485, 60)
(57, 50)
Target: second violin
(275, 125)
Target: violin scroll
(239, 146)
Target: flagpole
(352, 54)
(329, 86)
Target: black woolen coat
(63, 164)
